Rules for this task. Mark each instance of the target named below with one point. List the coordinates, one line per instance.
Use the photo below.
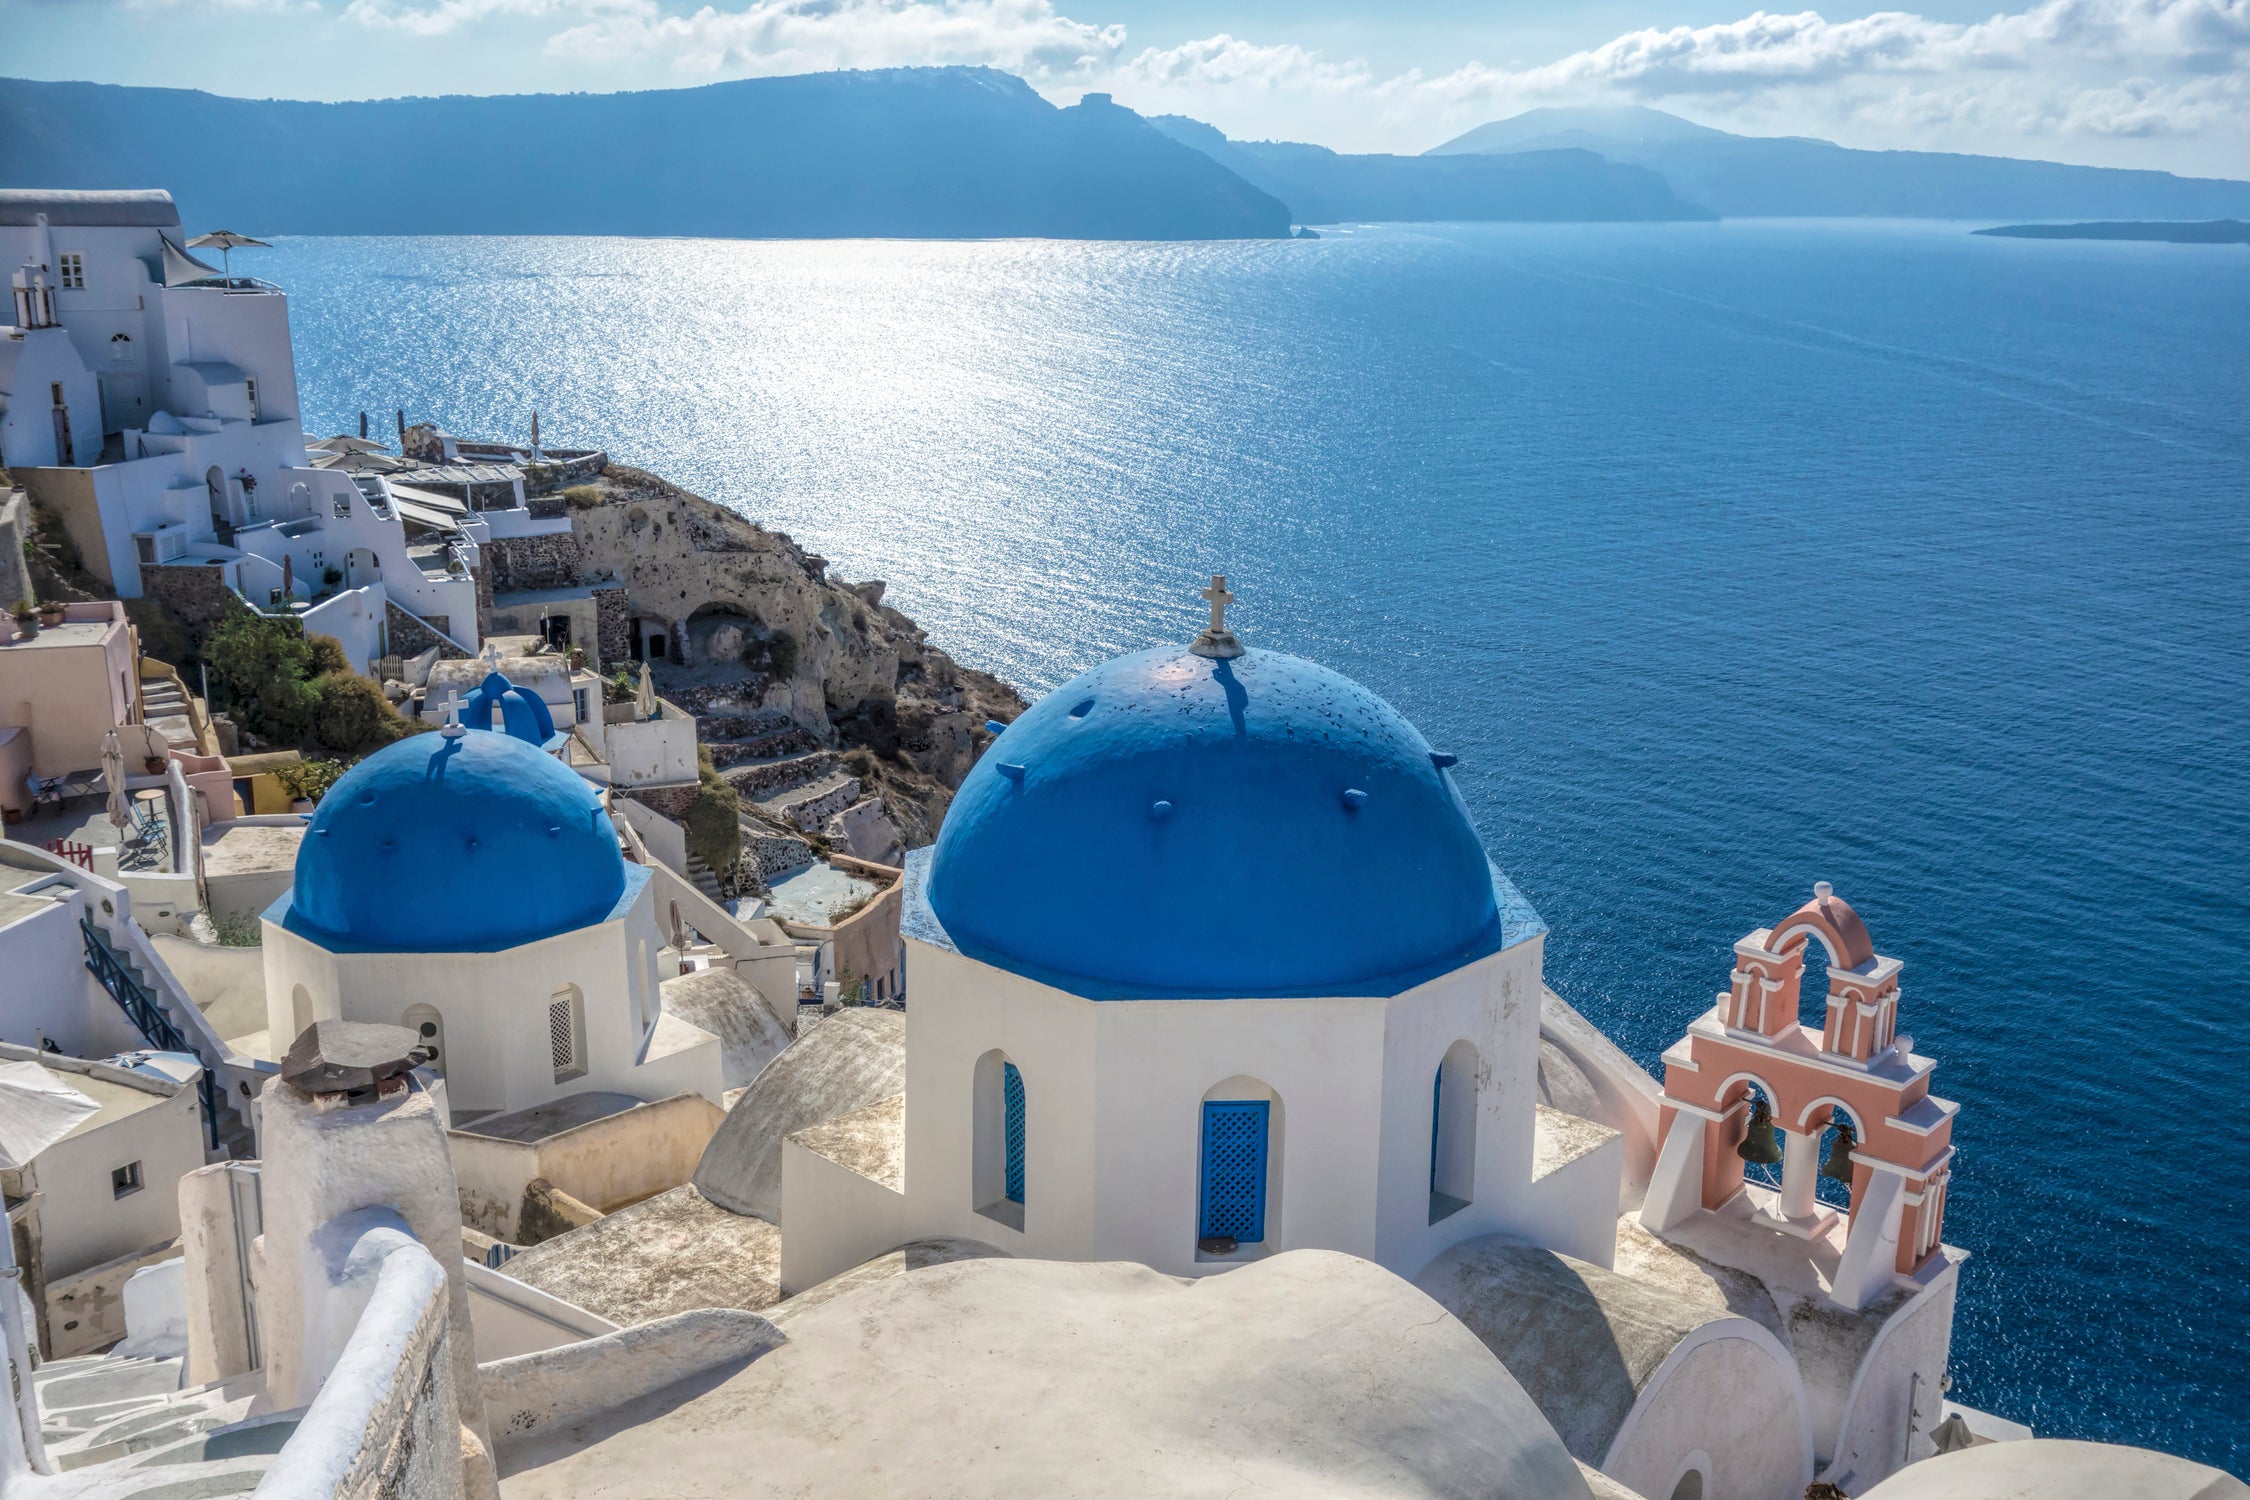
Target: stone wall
(557, 473)
(16, 535)
(772, 854)
(533, 562)
(196, 594)
(411, 637)
(614, 630)
(671, 801)
(752, 782)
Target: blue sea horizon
(1727, 557)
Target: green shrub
(325, 654)
(309, 779)
(351, 716)
(582, 497)
(714, 819)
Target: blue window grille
(1011, 1091)
(1234, 1170)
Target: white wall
(493, 1010)
(1728, 1402)
(50, 994)
(82, 1221)
(1113, 1098)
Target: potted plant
(51, 613)
(578, 658)
(27, 618)
(153, 764)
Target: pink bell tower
(1858, 1070)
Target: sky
(2144, 83)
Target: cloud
(2058, 70)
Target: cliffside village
(457, 1128)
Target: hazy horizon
(2123, 83)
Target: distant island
(2205, 232)
(901, 152)
(1752, 177)
(1328, 187)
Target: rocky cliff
(802, 682)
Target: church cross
(1218, 598)
(451, 708)
(492, 656)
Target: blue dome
(1170, 824)
(521, 712)
(445, 843)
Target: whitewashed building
(151, 402)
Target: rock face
(779, 661)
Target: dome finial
(1217, 641)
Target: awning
(180, 268)
(423, 515)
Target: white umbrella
(346, 444)
(37, 1109)
(644, 697)
(225, 241)
(113, 777)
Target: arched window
(300, 1012)
(1453, 1132)
(1690, 1486)
(1238, 1149)
(996, 1187)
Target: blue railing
(147, 1016)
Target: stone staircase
(152, 1436)
(809, 804)
(700, 876)
(166, 709)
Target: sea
(1727, 557)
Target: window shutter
(1234, 1170)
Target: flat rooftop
(247, 848)
(552, 1118)
(68, 633)
(812, 894)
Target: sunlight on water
(1728, 558)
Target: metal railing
(140, 1007)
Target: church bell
(1759, 1144)
(1838, 1167)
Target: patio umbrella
(345, 444)
(113, 777)
(288, 573)
(225, 241)
(37, 1109)
(644, 697)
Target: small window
(578, 700)
(250, 387)
(565, 1044)
(73, 271)
(125, 1181)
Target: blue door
(1011, 1091)
(1234, 1171)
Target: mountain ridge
(1743, 176)
(920, 152)
(1327, 187)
